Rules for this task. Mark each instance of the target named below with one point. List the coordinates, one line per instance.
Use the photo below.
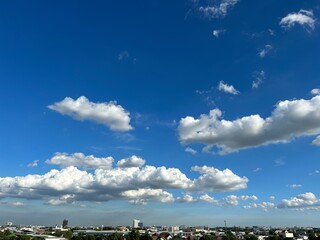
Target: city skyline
(178, 113)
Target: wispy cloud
(33, 164)
(303, 17)
(295, 185)
(217, 10)
(227, 88)
(258, 78)
(123, 55)
(218, 32)
(265, 51)
(190, 150)
(257, 170)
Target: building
(65, 223)
(135, 223)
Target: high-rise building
(135, 223)
(65, 223)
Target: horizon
(195, 111)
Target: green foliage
(145, 237)
(208, 237)
(134, 235)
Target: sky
(171, 112)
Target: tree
(134, 234)
(146, 236)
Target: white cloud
(208, 199)
(258, 78)
(227, 88)
(190, 150)
(132, 161)
(303, 17)
(316, 141)
(33, 164)
(187, 198)
(264, 205)
(265, 51)
(218, 32)
(290, 119)
(215, 180)
(257, 169)
(272, 198)
(315, 91)
(301, 201)
(233, 200)
(218, 11)
(108, 113)
(143, 195)
(138, 184)
(80, 160)
(295, 186)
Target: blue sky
(172, 112)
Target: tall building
(135, 223)
(65, 223)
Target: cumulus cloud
(215, 180)
(132, 161)
(295, 186)
(219, 10)
(265, 51)
(290, 119)
(303, 17)
(33, 164)
(272, 198)
(187, 198)
(302, 201)
(191, 150)
(80, 160)
(227, 88)
(218, 32)
(109, 114)
(315, 91)
(258, 78)
(130, 180)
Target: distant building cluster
(138, 232)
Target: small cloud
(33, 164)
(315, 91)
(190, 150)
(315, 172)
(279, 162)
(303, 17)
(295, 186)
(272, 198)
(316, 141)
(257, 169)
(258, 78)
(109, 114)
(266, 50)
(218, 32)
(227, 88)
(217, 10)
(123, 55)
(16, 204)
